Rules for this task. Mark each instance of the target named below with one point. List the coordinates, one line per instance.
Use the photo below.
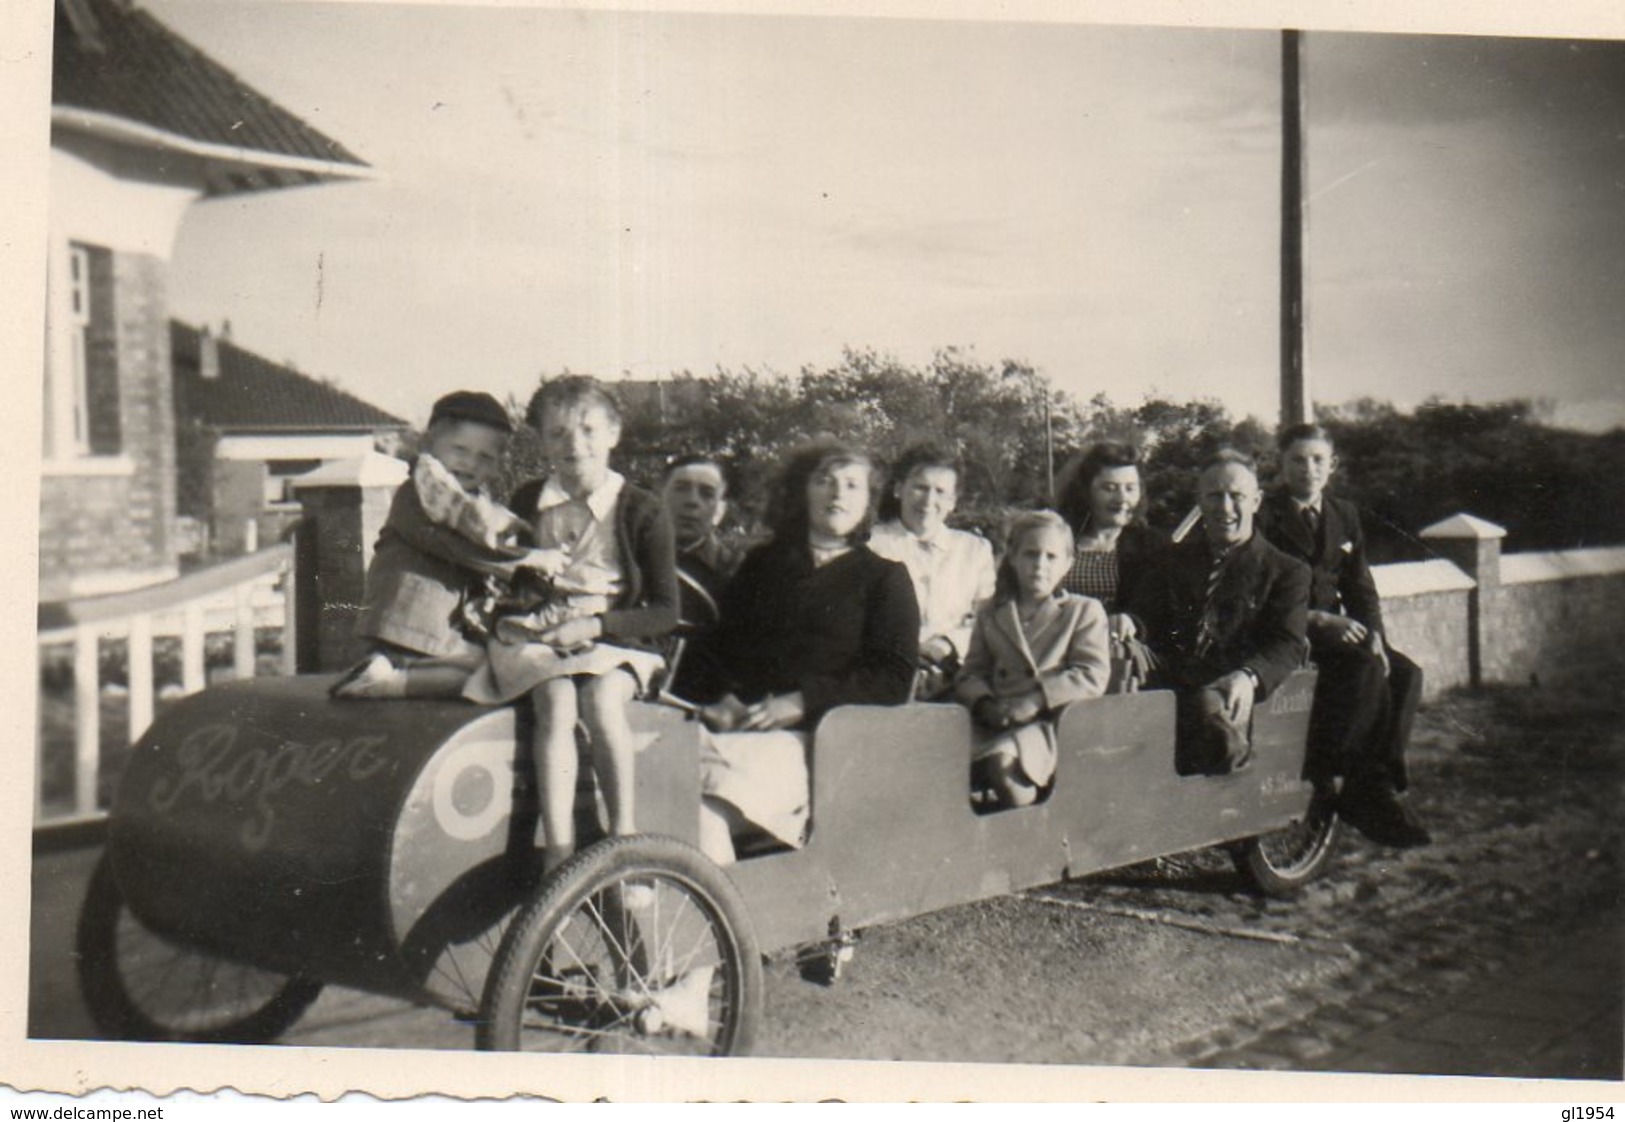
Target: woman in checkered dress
(1102, 498)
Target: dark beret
(467, 405)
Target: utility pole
(1294, 391)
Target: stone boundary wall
(1556, 614)
(1432, 629)
(1540, 617)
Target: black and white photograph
(1026, 544)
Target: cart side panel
(1133, 806)
(890, 827)
(1106, 748)
(459, 858)
(894, 835)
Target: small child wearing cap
(443, 538)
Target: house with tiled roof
(143, 127)
(249, 427)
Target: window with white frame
(82, 384)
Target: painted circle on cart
(473, 788)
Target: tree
(1551, 488)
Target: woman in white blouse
(952, 570)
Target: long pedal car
(266, 841)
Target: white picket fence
(237, 596)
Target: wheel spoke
(577, 1036)
(623, 1019)
(703, 941)
(664, 963)
(455, 977)
(665, 937)
(624, 955)
(563, 1009)
(579, 961)
(164, 968)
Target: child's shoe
(372, 677)
(685, 1005)
(637, 897)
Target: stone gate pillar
(1475, 546)
(344, 506)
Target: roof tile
(254, 394)
(112, 57)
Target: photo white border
(76, 1067)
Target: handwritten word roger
(212, 769)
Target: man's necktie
(1311, 519)
(1208, 632)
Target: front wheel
(637, 944)
(1282, 861)
(141, 986)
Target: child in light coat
(1036, 649)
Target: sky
(644, 193)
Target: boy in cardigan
(443, 536)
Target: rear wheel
(142, 986)
(1282, 861)
(637, 944)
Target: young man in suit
(1366, 697)
(1224, 613)
(695, 491)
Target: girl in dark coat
(812, 620)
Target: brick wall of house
(85, 531)
(100, 526)
(147, 382)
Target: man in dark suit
(1366, 697)
(1224, 613)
